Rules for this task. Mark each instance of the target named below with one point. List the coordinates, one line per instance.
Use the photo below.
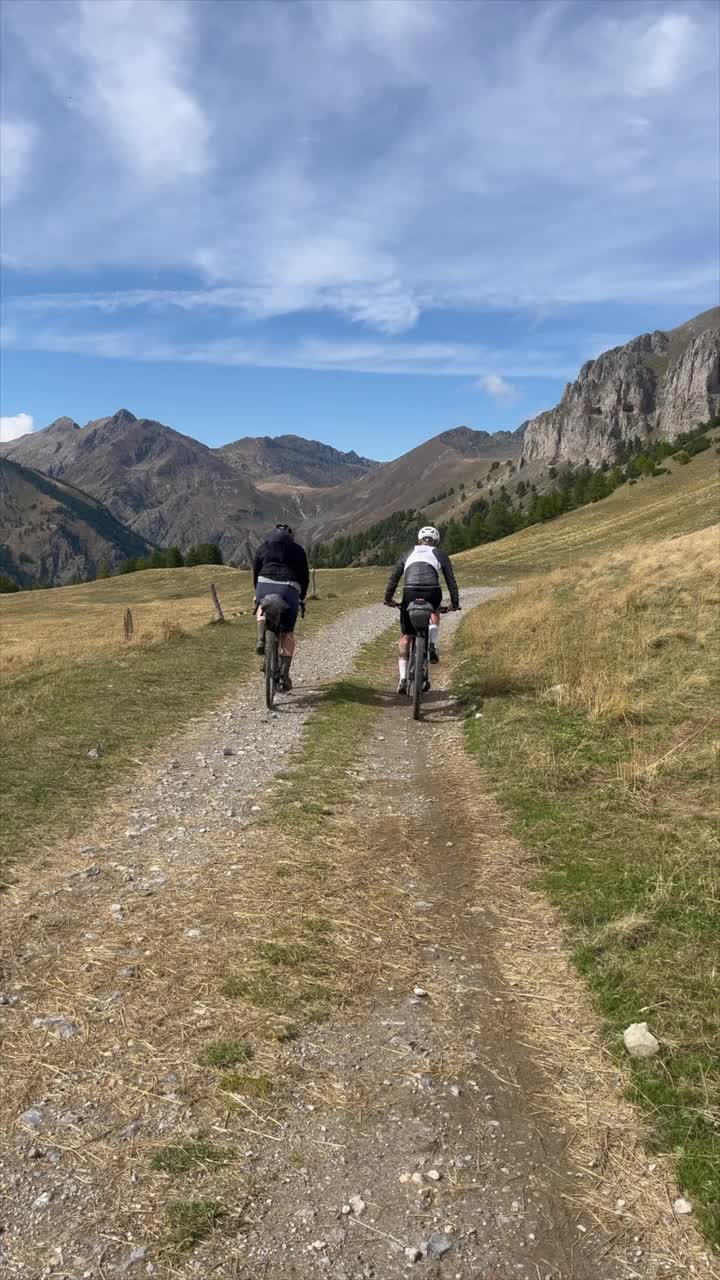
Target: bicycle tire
(418, 681)
(271, 662)
(411, 668)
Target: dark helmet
(284, 528)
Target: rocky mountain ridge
(294, 461)
(658, 384)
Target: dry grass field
(598, 689)
(82, 623)
(686, 499)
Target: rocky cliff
(659, 384)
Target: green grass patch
(293, 955)
(187, 1222)
(263, 990)
(181, 1157)
(602, 746)
(251, 1086)
(288, 1033)
(226, 1053)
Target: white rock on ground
(639, 1041)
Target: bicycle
(419, 612)
(274, 610)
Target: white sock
(434, 633)
(402, 664)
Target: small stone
(417, 1178)
(449, 844)
(639, 1042)
(346, 1210)
(682, 1206)
(318, 1245)
(228, 751)
(412, 1253)
(194, 933)
(11, 1001)
(129, 971)
(455, 1091)
(404, 1177)
(358, 1206)
(43, 1200)
(438, 1245)
(64, 1028)
(137, 1255)
(434, 1175)
(95, 752)
(419, 991)
(33, 1117)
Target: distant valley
(81, 496)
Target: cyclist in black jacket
(281, 568)
(421, 570)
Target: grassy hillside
(51, 531)
(598, 689)
(686, 499)
(70, 682)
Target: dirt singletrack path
(429, 1125)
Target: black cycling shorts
(433, 595)
(286, 593)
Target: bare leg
(260, 646)
(287, 649)
(287, 644)
(403, 650)
(433, 633)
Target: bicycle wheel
(411, 667)
(419, 672)
(271, 662)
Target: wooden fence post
(128, 627)
(220, 616)
(314, 592)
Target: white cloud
(119, 64)
(377, 160)
(13, 427)
(17, 139)
(362, 355)
(497, 387)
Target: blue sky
(361, 220)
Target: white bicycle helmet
(429, 534)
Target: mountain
(453, 459)
(53, 532)
(288, 461)
(169, 488)
(659, 384)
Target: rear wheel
(271, 662)
(418, 675)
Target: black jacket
(280, 559)
(422, 568)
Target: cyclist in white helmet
(421, 570)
